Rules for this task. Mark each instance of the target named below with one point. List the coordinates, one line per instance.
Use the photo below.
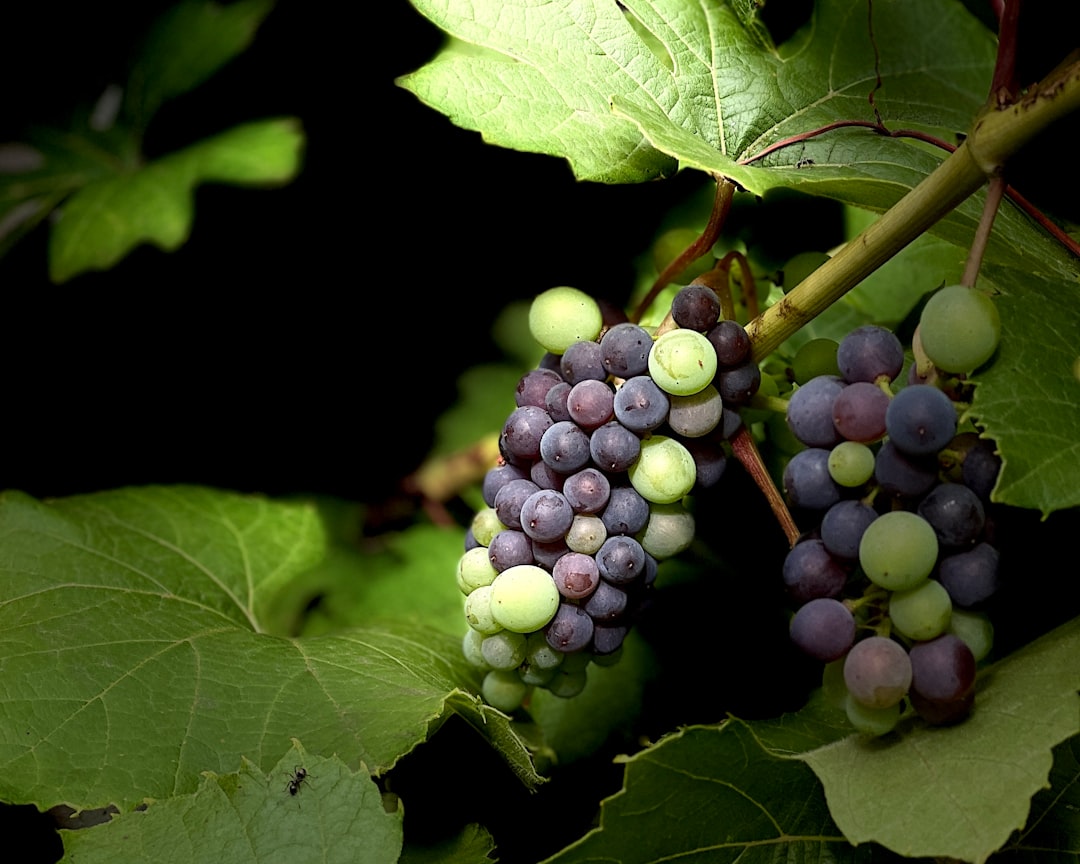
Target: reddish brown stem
(746, 451)
(725, 192)
(994, 192)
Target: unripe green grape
(664, 471)
(871, 721)
(682, 362)
(470, 647)
(669, 531)
(485, 525)
(975, 628)
(475, 569)
(561, 316)
(539, 653)
(503, 650)
(478, 612)
(922, 612)
(799, 266)
(898, 550)
(567, 682)
(959, 329)
(524, 598)
(504, 690)
(851, 464)
(586, 535)
(814, 358)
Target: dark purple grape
(737, 384)
(583, 361)
(607, 603)
(807, 481)
(695, 307)
(510, 499)
(731, 342)
(546, 516)
(533, 386)
(546, 477)
(576, 575)
(824, 628)
(555, 401)
(587, 490)
(904, 476)
(613, 447)
(627, 512)
(621, 560)
(981, 467)
(868, 353)
(523, 429)
(810, 411)
(640, 405)
(970, 577)
(956, 514)
(608, 638)
(591, 404)
(547, 555)
(710, 460)
(842, 528)
(570, 630)
(509, 548)
(920, 420)
(565, 447)
(625, 349)
(942, 669)
(499, 476)
(859, 412)
(810, 572)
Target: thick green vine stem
(996, 134)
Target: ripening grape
(959, 328)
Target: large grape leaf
(250, 817)
(694, 82)
(134, 656)
(803, 784)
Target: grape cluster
(611, 433)
(891, 579)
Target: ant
(295, 779)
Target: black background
(304, 338)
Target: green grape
(586, 534)
(504, 690)
(872, 721)
(814, 358)
(922, 612)
(959, 329)
(799, 266)
(975, 628)
(475, 569)
(470, 647)
(851, 464)
(503, 650)
(664, 471)
(561, 316)
(478, 612)
(682, 362)
(669, 531)
(898, 550)
(524, 598)
(485, 525)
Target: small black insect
(295, 779)
(804, 163)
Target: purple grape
(591, 404)
(565, 447)
(824, 628)
(868, 353)
(499, 476)
(859, 412)
(608, 638)
(587, 491)
(570, 630)
(810, 411)
(902, 475)
(731, 342)
(510, 499)
(970, 577)
(546, 516)
(807, 481)
(576, 575)
(640, 405)
(613, 447)
(510, 547)
(625, 348)
(920, 420)
(533, 386)
(523, 429)
(810, 572)
(956, 514)
(942, 669)
(626, 512)
(842, 528)
(607, 603)
(621, 560)
(583, 361)
(695, 307)
(737, 384)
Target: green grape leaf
(103, 221)
(1055, 812)
(1028, 397)
(474, 845)
(185, 46)
(148, 603)
(959, 792)
(336, 815)
(708, 794)
(700, 84)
